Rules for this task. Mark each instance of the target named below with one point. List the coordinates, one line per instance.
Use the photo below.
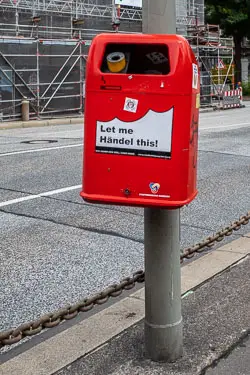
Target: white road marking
(243, 124)
(211, 117)
(40, 149)
(45, 194)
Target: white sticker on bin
(195, 77)
(151, 135)
(131, 105)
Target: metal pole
(159, 16)
(60, 84)
(81, 79)
(115, 21)
(163, 319)
(37, 78)
(60, 70)
(17, 21)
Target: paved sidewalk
(41, 123)
(216, 317)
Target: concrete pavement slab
(240, 246)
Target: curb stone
(40, 123)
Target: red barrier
(233, 99)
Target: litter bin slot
(123, 58)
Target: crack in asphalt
(94, 207)
(91, 229)
(224, 153)
(87, 229)
(16, 191)
(76, 203)
(101, 208)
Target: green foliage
(246, 89)
(231, 15)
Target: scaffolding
(189, 13)
(50, 73)
(61, 18)
(215, 56)
(185, 8)
(44, 46)
(43, 50)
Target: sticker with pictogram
(220, 64)
(195, 77)
(131, 105)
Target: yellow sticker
(198, 101)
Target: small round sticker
(154, 187)
(130, 105)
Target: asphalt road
(55, 249)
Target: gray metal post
(159, 16)
(163, 319)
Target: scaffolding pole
(188, 12)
